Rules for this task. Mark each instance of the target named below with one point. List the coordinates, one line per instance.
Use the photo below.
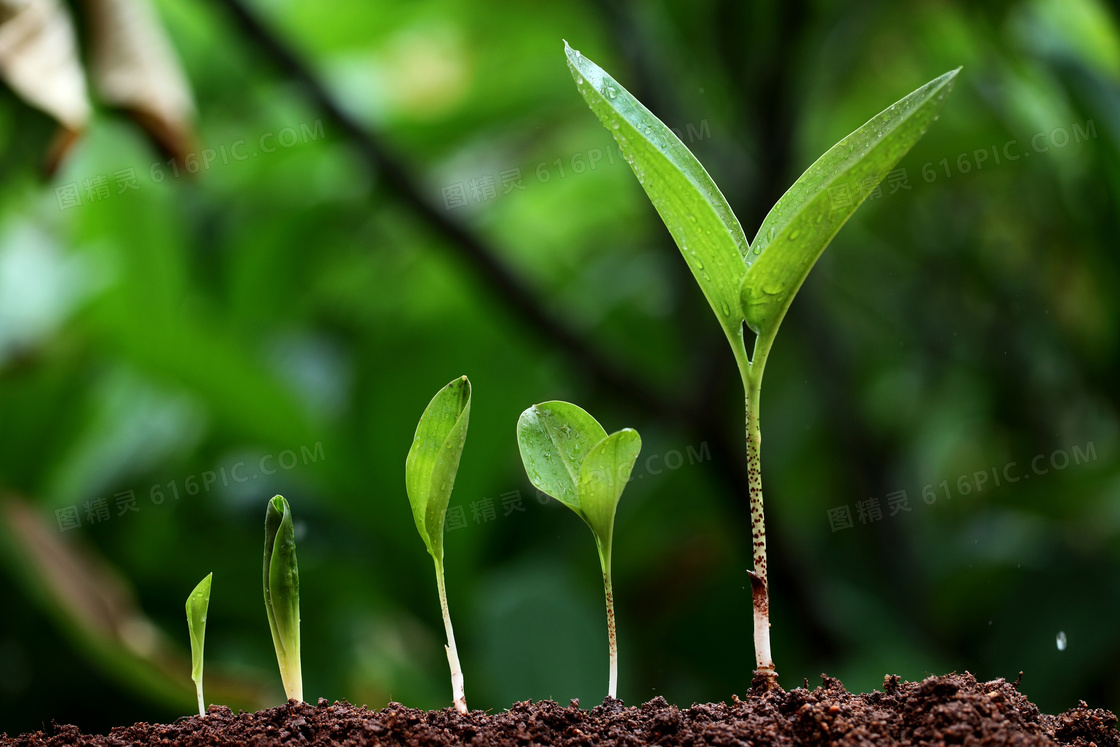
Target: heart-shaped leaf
(694, 210)
(568, 455)
(433, 460)
(803, 222)
(554, 438)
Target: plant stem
(751, 372)
(201, 702)
(457, 690)
(612, 634)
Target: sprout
(429, 472)
(753, 283)
(281, 593)
(197, 604)
(568, 455)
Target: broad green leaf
(803, 222)
(554, 438)
(433, 460)
(281, 592)
(695, 212)
(602, 477)
(197, 604)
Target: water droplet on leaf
(1061, 640)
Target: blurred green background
(278, 323)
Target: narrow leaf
(554, 438)
(602, 477)
(197, 605)
(281, 593)
(803, 222)
(433, 460)
(694, 210)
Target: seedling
(754, 283)
(197, 604)
(568, 455)
(281, 593)
(429, 473)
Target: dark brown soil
(938, 711)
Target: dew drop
(1061, 640)
(610, 91)
(794, 234)
(770, 234)
(757, 249)
(726, 309)
(579, 81)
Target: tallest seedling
(754, 283)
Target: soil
(938, 711)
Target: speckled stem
(751, 372)
(612, 635)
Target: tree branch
(521, 300)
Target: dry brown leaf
(135, 68)
(39, 60)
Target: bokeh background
(373, 198)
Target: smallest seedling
(197, 604)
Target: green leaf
(803, 222)
(695, 212)
(568, 455)
(197, 604)
(281, 593)
(554, 438)
(433, 460)
(602, 477)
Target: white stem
(457, 689)
(612, 637)
(201, 702)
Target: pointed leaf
(554, 438)
(433, 460)
(694, 210)
(805, 219)
(197, 605)
(281, 592)
(602, 477)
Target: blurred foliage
(291, 302)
